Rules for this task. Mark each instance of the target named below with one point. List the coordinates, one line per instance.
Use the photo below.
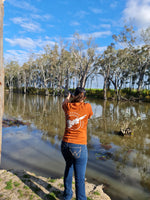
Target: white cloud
(42, 18)
(74, 23)
(99, 26)
(18, 55)
(29, 43)
(28, 46)
(105, 25)
(96, 10)
(95, 35)
(22, 42)
(23, 5)
(27, 24)
(81, 14)
(101, 49)
(114, 4)
(138, 11)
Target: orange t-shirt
(77, 115)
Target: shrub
(147, 98)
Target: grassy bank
(126, 93)
(20, 184)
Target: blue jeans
(76, 156)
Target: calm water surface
(122, 164)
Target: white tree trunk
(1, 73)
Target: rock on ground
(20, 184)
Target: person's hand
(69, 96)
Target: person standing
(74, 143)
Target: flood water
(121, 164)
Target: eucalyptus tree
(126, 39)
(43, 68)
(25, 76)
(68, 65)
(120, 70)
(54, 66)
(143, 55)
(61, 65)
(142, 64)
(84, 54)
(11, 70)
(104, 64)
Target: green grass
(51, 180)
(96, 193)
(26, 187)
(9, 185)
(51, 196)
(88, 198)
(20, 193)
(0, 179)
(61, 185)
(31, 197)
(16, 184)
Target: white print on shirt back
(75, 121)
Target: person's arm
(66, 100)
(90, 111)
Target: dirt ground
(19, 184)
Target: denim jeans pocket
(75, 151)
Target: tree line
(124, 64)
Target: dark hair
(79, 94)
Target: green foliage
(16, 184)
(98, 93)
(26, 187)
(51, 180)
(9, 185)
(61, 185)
(88, 198)
(147, 98)
(128, 93)
(31, 197)
(32, 90)
(142, 95)
(96, 193)
(20, 193)
(51, 196)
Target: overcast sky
(30, 25)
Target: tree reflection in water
(126, 159)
